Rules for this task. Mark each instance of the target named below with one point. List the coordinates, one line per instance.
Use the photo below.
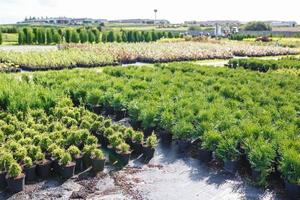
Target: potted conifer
(15, 178)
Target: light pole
(155, 14)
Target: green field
(9, 38)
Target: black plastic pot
(205, 155)
(103, 140)
(183, 145)
(30, 174)
(124, 157)
(86, 161)
(43, 169)
(3, 183)
(67, 171)
(255, 175)
(148, 152)
(231, 166)
(55, 166)
(137, 148)
(16, 184)
(166, 137)
(98, 165)
(293, 190)
(78, 163)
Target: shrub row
(83, 35)
(265, 65)
(87, 55)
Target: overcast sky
(176, 11)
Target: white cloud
(175, 11)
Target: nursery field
(86, 55)
(234, 114)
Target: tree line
(83, 35)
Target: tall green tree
(154, 36)
(29, 35)
(91, 36)
(41, 38)
(104, 37)
(56, 37)
(49, 36)
(111, 37)
(21, 37)
(75, 37)
(0, 37)
(83, 36)
(118, 37)
(170, 35)
(148, 37)
(68, 35)
(124, 36)
(97, 35)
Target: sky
(175, 11)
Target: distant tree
(257, 26)
(91, 36)
(97, 35)
(148, 37)
(170, 35)
(165, 34)
(0, 37)
(131, 37)
(56, 37)
(111, 37)
(49, 36)
(41, 38)
(160, 35)
(75, 37)
(21, 37)
(104, 37)
(29, 35)
(124, 36)
(154, 36)
(68, 35)
(35, 38)
(119, 37)
(83, 36)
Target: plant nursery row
(86, 55)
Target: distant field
(10, 38)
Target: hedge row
(83, 35)
(265, 65)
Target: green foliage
(290, 165)
(123, 147)
(1, 40)
(265, 65)
(65, 159)
(74, 151)
(97, 154)
(261, 155)
(75, 37)
(257, 26)
(28, 162)
(14, 170)
(151, 141)
(210, 140)
(83, 36)
(138, 137)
